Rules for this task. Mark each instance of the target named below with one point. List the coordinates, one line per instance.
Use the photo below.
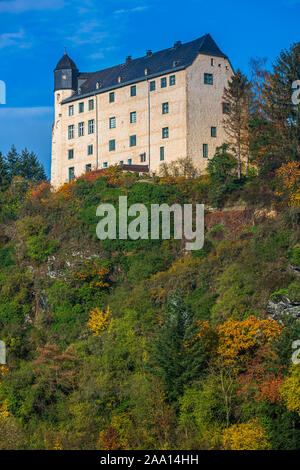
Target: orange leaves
(99, 321)
(96, 275)
(289, 181)
(236, 338)
(66, 190)
(263, 378)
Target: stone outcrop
(279, 306)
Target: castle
(157, 108)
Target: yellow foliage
(99, 321)
(238, 337)
(4, 413)
(245, 436)
(57, 445)
(291, 390)
(3, 371)
(289, 177)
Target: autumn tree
(54, 370)
(99, 321)
(246, 436)
(237, 95)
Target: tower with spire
(65, 84)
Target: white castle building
(157, 108)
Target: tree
(25, 165)
(258, 78)
(221, 169)
(4, 174)
(14, 162)
(291, 390)
(278, 106)
(30, 168)
(236, 124)
(176, 360)
(245, 436)
(99, 321)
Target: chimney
(128, 59)
(177, 44)
(148, 53)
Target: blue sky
(100, 33)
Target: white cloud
(16, 39)
(130, 10)
(16, 113)
(19, 6)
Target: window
(91, 105)
(81, 107)
(71, 110)
(205, 151)
(71, 174)
(112, 145)
(70, 154)
(165, 132)
(80, 129)
(165, 108)
(152, 85)
(143, 157)
(208, 79)
(162, 153)
(133, 90)
(133, 117)
(172, 80)
(129, 161)
(132, 141)
(91, 126)
(71, 132)
(121, 162)
(212, 62)
(112, 123)
(104, 164)
(163, 82)
(213, 131)
(90, 150)
(88, 167)
(226, 108)
(112, 97)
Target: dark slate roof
(136, 168)
(169, 60)
(66, 63)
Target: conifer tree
(278, 106)
(30, 168)
(176, 362)
(4, 175)
(258, 80)
(236, 123)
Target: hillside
(142, 344)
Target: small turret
(65, 74)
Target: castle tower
(65, 84)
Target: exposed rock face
(280, 306)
